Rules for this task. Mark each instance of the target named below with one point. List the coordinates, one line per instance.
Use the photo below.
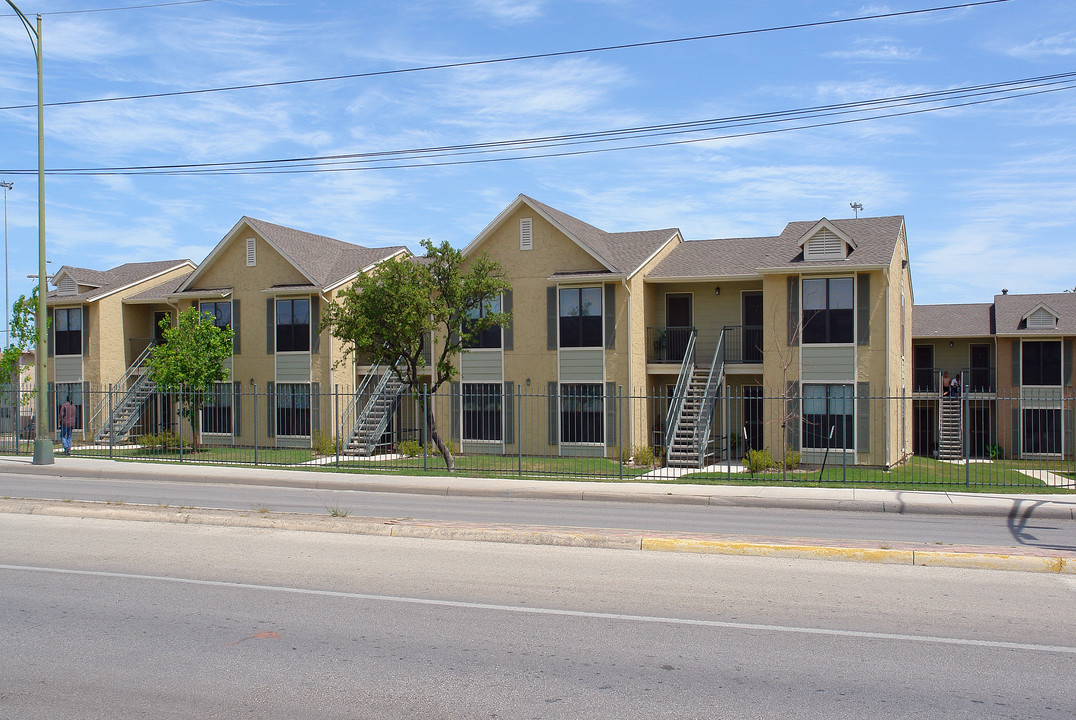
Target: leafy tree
(23, 338)
(392, 313)
(190, 360)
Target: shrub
(164, 441)
(453, 447)
(323, 443)
(792, 459)
(644, 456)
(409, 448)
(996, 452)
(758, 461)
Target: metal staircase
(691, 414)
(951, 432)
(372, 408)
(126, 409)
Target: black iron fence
(813, 433)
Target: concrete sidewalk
(1024, 505)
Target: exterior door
(752, 417)
(980, 380)
(752, 327)
(677, 326)
(924, 378)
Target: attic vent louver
(68, 286)
(1041, 318)
(526, 235)
(252, 256)
(824, 245)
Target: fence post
(425, 424)
(965, 431)
(179, 404)
(336, 423)
(255, 393)
(727, 423)
(519, 429)
(620, 427)
(111, 425)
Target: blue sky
(988, 191)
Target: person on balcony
(945, 383)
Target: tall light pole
(7, 185)
(42, 443)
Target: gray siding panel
(67, 368)
(292, 368)
(828, 364)
(481, 366)
(583, 365)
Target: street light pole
(7, 272)
(42, 443)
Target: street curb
(925, 502)
(561, 537)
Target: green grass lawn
(918, 474)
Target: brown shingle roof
(327, 261)
(875, 238)
(952, 320)
(1010, 309)
(158, 293)
(106, 282)
(623, 252)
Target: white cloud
(1060, 45)
(875, 50)
(509, 11)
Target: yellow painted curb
(817, 552)
(988, 561)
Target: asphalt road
(773, 523)
(105, 618)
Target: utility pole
(7, 185)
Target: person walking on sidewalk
(67, 423)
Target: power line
(627, 138)
(516, 58)
(115, 9)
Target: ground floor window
(217, 410)
(581, 413)
(293, 409)
(1042, 432)
(62, 392)
(482, 405)
(828, 408)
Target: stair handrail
(130, 418)
(687, 367)
(360, 391)
(102, 406)
(709, 397)
(387, 373)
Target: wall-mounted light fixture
(717, 290)
(950, 343)
(528, 382)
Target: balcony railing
(972, 380)
(743, 344)
(667, 344)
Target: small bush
(758, 461)
(323, 443)
(409, 448)
(453, 447)
(164, 441)
(996, 452)
(792, 459)
(644, 456)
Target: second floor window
(1041, 362)
(221, 312)
(828, 310)
(581, 317)
(68, 322)
(490, 338)
(293, 325)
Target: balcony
(743, 344)
(979, 380)
(667, 344)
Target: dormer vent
(1041, 318)
(68, 286)
(252, 252)
(824, 245)
(526, 234)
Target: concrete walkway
(1023, 506)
